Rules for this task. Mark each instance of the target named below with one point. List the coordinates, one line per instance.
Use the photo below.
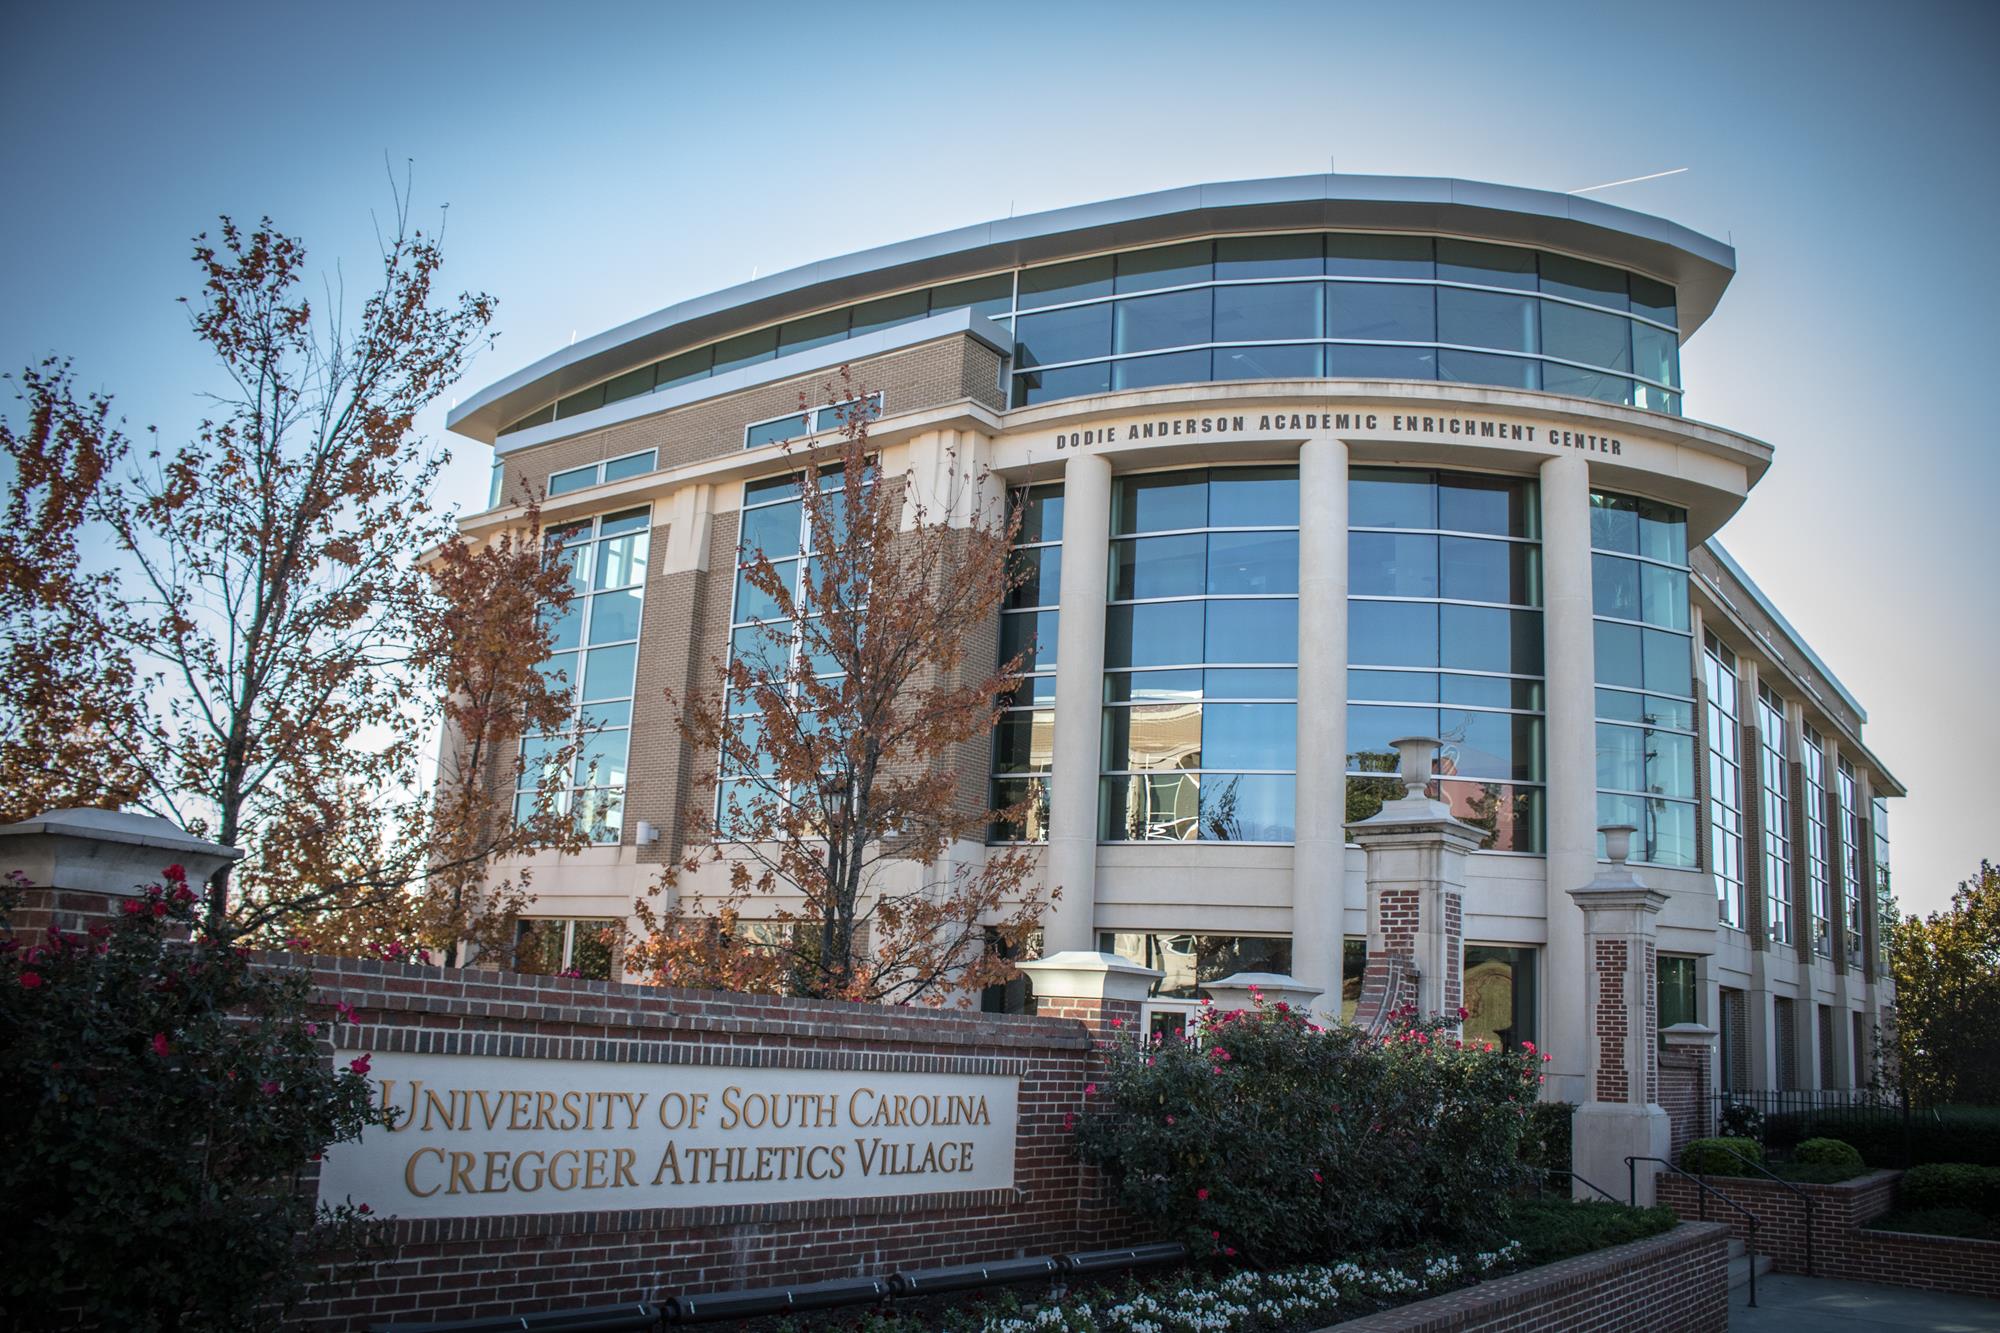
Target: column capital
(106, 851)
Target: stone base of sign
(519, 1263)
(1603, 1135)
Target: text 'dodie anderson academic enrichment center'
(1304, 466)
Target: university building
(1305, 466)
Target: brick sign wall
(572, 1143)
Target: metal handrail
(1766, 1172)
(1544, 1171)
(1749, 1246)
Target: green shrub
(1880, 1135)
(1552, 1229)
(161, 1100)
(1711, 1157)
(1277, 1140)
(1951, 1185)
(1940, 1222)
(1826, 1152)
(1545, 1139)
(1741, 1120)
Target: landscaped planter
(1679, 1280)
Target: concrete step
(1739, 1269)
(1736, 1248)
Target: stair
(1739, 1265)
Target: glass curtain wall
(1885, 900)
(1850, 833)
(1200, 719)
(1445, 639)
(774, 522)
(1725, 779)
(595, 652)
(1024, 738)
(1819, 863)
(1305, 305)
(1776, 808)
(1645, 676)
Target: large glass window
(1645, 680)
(1851, 852)
(1725, 779)
(564, 946)
(1201, 657)
(1444, 584)
(1024, 737)
(1499, 994)
(775, 523)
(1818, 852)
(595, 651)
(1190, 962)
(1776, 809)
(1679, 990)
(1377, 305)
(1885, 901)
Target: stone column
(1070, 924)
(1622, 1116)
(1416, 853)
(1570, 667)
(81, 864)
(1319, 878)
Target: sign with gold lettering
(479, 1136)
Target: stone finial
(1617, 841)
(1414, 757)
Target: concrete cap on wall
(1078, 974)
(1234, 991)
(106, 851)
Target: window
(1818, 856)
(1024, 737)
(1576, 327)
(616, 469)
(818, 421)
(1776, 809)
(1200, 719)
(1445, 639)
(549, 946)
(1678, 990)
(1851, 853)
(1499, 994)
(1885, 898)
(1645, 680)
(1725, 780)
(1190, 962)
(776, 524)
(595, 650)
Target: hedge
(1951, 1185)
(1942, 1134)
(1712, 1157)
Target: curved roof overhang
(1698, 266)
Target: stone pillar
(1416, 854)
(1622, 1116)
(1319, 848)
(1570, 665)
(80, 864)
(1100, 990)
(1070, 924)
(1242, 990)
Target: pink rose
(160, 1044)
(1201, 1194)
(30, 980)
(359, 1065)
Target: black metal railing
(1542, 1173)
(1781, 1119)
(1805, 1199)
(1703, 1192)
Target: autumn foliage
(834, 850)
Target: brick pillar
(1622, 1116)
(1104, 993)
(1416, 853)
(81, 864)
(1687, 1081)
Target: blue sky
(601, 161)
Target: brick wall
(1684, 1095)
(1843, 1244)
(456, 1268)
(1677, 1281)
